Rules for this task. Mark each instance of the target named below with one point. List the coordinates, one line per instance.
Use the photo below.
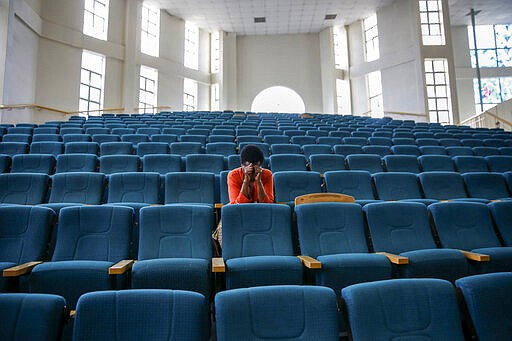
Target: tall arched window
(278, 99)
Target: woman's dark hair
(252, 154)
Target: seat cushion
(446, 264)
(501, 260)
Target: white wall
(292, 61)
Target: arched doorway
(278, 99)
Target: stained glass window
(494, 92)
(494, 44)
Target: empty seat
(359, 141)
(312, 149)
(380, 141)
(76, 188)
(175, 249)
(32, 316)
(192, 138)
(291, 184)
(466, 164)
(397, 309)
(101, 138)
(76, 163)
(258, 252)
(20, 138)
(46, 138)
(221, 148)
(13, 148)
(175, 131)
(322, 163)
(506, 151)
(24, 234)
(97, 130)
(53, 148)
(134, 188)
(116, 148)
(488, 300)
(204, 163)
(119, 163)
(76, 138)
(368, 162)
(185, 148)
(445, 186)
(357, 184)
(23, 188)
(486, 151)
(248, 138)
(285, 148)
(378, 150)
(165, 138)
(287, 162)
(403, 228)
(5, 163)
(459, 151)
(433, 150)
(135, 139)
(501, 212)
(148, 131)
(276, 139)
(196, 187)
(45, 130)
(70, 130)
(277, 312)
(146, 148)
(393, 186)
(472, 142)
(431, 163)
(490, 186)
(303, 140)
(347, 149)
(494, 143)
(33, 163)
(403, 134)
(330, 140)
(401, 163)
(81, 148)
(449, 142)
(406, 150)
(161, 163)
(89, 240)
(403, 141)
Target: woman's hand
(258, 170)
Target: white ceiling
(307, 16)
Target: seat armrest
(323, 197)
(310, 262)
(20, 270)
(218, 264)
(395, 259)
(477, 257)
(218, 205)
(121, 267)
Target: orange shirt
(235, 180)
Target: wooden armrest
(72, 313)
(218, 264)
(322, 197)
(310, 262)
(395, 259)
(21, 269)
(218, 205)
(477, 257)
(121, 267)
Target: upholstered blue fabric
(489, 302)
(403, 228)
(5, 163)
(119, 163)
(330, 140)
(275, 139)
(359, 141)
(141, 315)
(47, 147)
(494, 143)
(406, 150)
(197, 187)
(403, 309)
(472, 142)
(355, 183)
(348, 149)
(165, 138)
(367, 162)
(499, 163)
(89, 240)
(501, 212)
(401, 163)
(445, 186)
(436, 163)
(427, 142)
(303, 140)
(322, 163)
(134, 187)
(277, 313)
(193, 138)
(80, 187)
(102, 138)
(185, 148)
(13, 148)
(76, 163)
(81, 148)
(31, 316)
(116, 148)
(21, 138)
(380, 141)
(398, 186)
(291, 184)
(211, 163)
(459, 151)
(221, 148)
(433, 150)
(33, 163)
(466, 164)
(248, 138)
(287, 162)
(490, 186)
(486, 151)
(145, 148)
(285, 148)
(161, 163)
(315, 149)
(23, 188)
(135, 139)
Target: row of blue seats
(145, 188)
(376, 311)
(214, 163)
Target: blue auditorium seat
(347, 149)
(221, 148)
(24, 234)
(290, 184)
(102, 138)
(175, 249)
(330, 140)
(436, 163)
(472, 142)
(160, 315)
(212, 163)
(285, 148)
(116, 148)
(276, 139)
(445, 186)
(392, 186)
(161, 163)
(134, 188)
(259, 251)
(248, 138)
(46, 138)
(433, 150)
(148, 131)
(19, 138)
(380, 141)
(497, 143)
(175, 131)
(287, 162)
(90, 239)
(97, 130)
(359, 141)
(119, 163)
(278, 313)
(467, 164)
(486, 151)
(398, 309)
(459, 151)
(70, 130)
(487, 297)
(313, 149)
(33, 163)
(190, 187)
(32, 316)
(368, 162)
(23, 188)
(76, 138)
(449, 142)
(501, 212)
(146, 148)
(322, 163)
(406, 150)
(193, 138)
(401, 163)
(135, 139)
(506, 151)
(45, 130)
(185, 148)
(468, 226)
(48, 147)
(81, 148)
(76, 163)
(13, 148)
(5, 163)
(357, 184)
(165, 138)
(403, 141)
(403, 228)
(485, 185)
(303, 140)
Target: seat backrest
(449, 142)
(486, 185)
(116, 148)
(401, 163)
(161, 163)
(76, 163)
(256, 230)
(354, 183)
(285, 148)
(23, 188)
(368, 162)
(144, 314)
(501, 212)
(78, 187)
(13, 148)
(94, 233)
(32, 316)
(442, 185)
(212, 163)
(5, 163)
(347, 149)
(436, 163)
(145, 148)
(398, 227)
(33, 163)
(488, 300)
(277, 312)
(359, 141)
(176, 231)
(135, 139)
(433, 150)
(291, 184)
(111, 164)
(76, 138)
(322, 163)
(427, 142)
(81, 148)
(408, 309)
(221, 148)
(396, 186)
(201, 139)
(499, 163)
(406, 150)
(314, 149)
(185, 148)
(287, 162)
(137, 187)
(46, 138)
(24, 233)
(459, 151)
(47, 147)
(463, 225)
(486, 151)
(102, 138)
(466, 164)
(340, 231)
(165, 138)
(190, 187)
